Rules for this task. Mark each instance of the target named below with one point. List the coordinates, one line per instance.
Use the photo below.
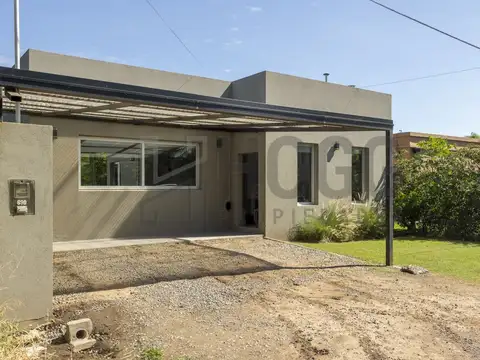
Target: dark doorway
(249, 189)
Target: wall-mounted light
(55, 133)
(336, 146)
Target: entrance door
(249, 189)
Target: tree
(437, 191)
(435, 147)
(474, 135)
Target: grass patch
(155, 353)
(152, 354)
(457, 259)
(11, 345)
(14, 343)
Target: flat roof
(446, 137)
(51, 95)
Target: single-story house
(408, 142)
(140, 152)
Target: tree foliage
(437, 191)
(94, 169)
(474, 135)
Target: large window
(359, 174)
(171, 165)
(125, 163)
(306, 173)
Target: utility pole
(16, 10)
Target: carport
(58, 96)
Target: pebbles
(281, 253)
(204, 294)
(221, 299)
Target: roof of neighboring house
(465, 139)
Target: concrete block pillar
(26, 152)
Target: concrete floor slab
(106, 243)
(111, 243)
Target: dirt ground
(259, 299)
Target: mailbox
(22, 197)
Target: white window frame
(138, 187)
(313, 172)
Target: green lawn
(461, 260)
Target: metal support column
(1, 104)
(389, 197)
(16, 10)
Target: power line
(172, 31)
(421, 77)
(424, 24)
(409, 80)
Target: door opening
(249, 189)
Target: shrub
(437, 192)
(311, 231)
(341, 221)
(371, 222)
(339, 217)
(337, 222)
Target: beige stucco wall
(334, 173)
(251, 88)
(133, 75)
(89, 214)
(265, 87)
(287, 90)
(26, 241)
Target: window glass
(305, 168)
(110, 163)
(359, 174)
(170, 165)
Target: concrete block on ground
(79, 345)
(415, 270)
(78, 334)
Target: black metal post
(389, 197)
(1, 104)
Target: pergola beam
(113, 106)
(191, 117)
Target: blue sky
(354, 40)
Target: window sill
(136, 188)
(306, 204)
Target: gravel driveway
(260, 299)
(120, 267)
